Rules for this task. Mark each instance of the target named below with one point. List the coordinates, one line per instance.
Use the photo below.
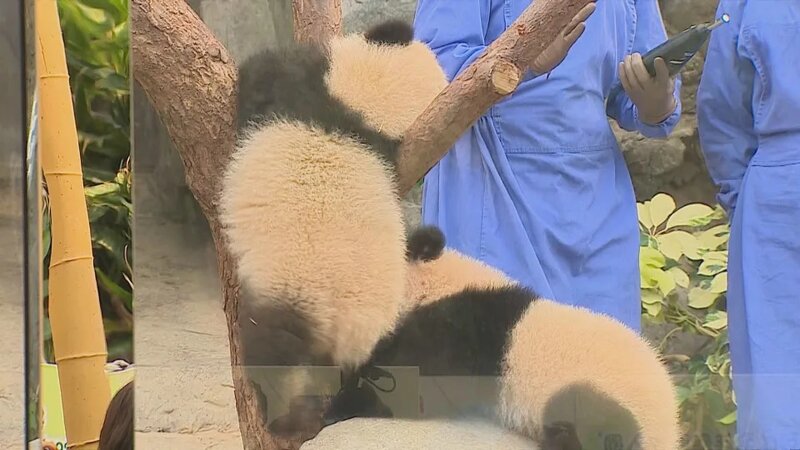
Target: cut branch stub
(493, 76)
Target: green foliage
(96, 41)
(683, 260)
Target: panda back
(313, 221)
(289, 84)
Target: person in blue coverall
(748, 112)
(538, 186)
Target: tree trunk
(191, 81)
(315, 21)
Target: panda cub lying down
(467, 318)
(328, 276)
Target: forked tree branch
(190, 79)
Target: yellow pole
(78, 335)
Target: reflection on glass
(33, 335)
(12, 225)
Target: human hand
(653, 96)
(555, 53)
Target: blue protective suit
(748, 106)
(538, 186)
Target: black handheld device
(679, 49)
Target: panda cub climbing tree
(309, 201)
(311, 214)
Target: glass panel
(13, 102)
(437, 364)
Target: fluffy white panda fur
(471, 319)
(312, 216)
(309, 203)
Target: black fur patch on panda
(391, 32)
(595, 410)
(289, 83)
(560, 436)
(461, 335)
(425, 244)
(273, 334)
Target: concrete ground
(12, 382)
(419, 435)
(184, 390)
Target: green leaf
(680, 277)
(690, 246)
(653, 277)
(111, 240)
(718, 256)
(100, 190)
(730, 419)
(666, 284)
(701, 298)
(714, 237)
(660, 207)
(644, 215)
(691, 215)
(653, 309)
(716, 320)
(650, 296)
(650, 257)
(113, 82)
(672, 244)
(46, 233)
(720, 283)
(114, 289)
(711, 267)
(683, 394)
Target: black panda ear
(426, 243)
(391, 32)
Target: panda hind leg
(560, 435)
(579, 411)
(273, 334)
(357, 397)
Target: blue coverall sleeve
(454, 30)
(649, 33)
(724, 107)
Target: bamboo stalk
(78, 335)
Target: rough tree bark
(190, 79)
(315, 21)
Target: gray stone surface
(357, 15)
(396, 434)
(184, 388)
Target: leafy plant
(96, 41)
(683, 260)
